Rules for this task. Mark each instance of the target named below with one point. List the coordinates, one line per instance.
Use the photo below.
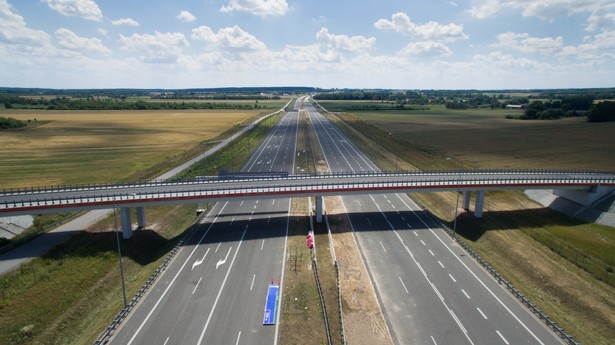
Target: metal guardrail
(119, 318)
(340, 185)
(551, 324)
(154, 183)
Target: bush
(602, 112)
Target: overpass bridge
(581, 186)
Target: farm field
(483, 138)
(563, 265)
(65, 147)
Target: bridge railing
(206, 190)
(215, 180)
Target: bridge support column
(466, 200)
(319, 209)
(126, 223)
(480, 201)
(141, 217)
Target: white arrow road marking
(198, 262)
(221, 262)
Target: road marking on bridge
(252, 285)
(383, 247)
(465, 293)
(501, 336)
(453, 278)
(404, 285)
(481, 312)
(197, 285)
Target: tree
(601, 112)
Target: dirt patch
(363, 319)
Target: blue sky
(401, 44)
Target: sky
(391, 44)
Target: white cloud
(426, 48)
(87, 9)
(69, 40)
(257, 7)
(186, 16)
(13, 28)
(160, 47)
(125, 21)
(345, 43)
(230, 38)
(400, 22)
(527, 44)
(546, 9)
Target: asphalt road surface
(214, 291)
(429, 290)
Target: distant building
(514, 106)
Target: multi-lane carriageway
(213, 292)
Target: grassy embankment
(559, 263)
(72, 293)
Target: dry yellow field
(65, 147)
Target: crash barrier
(119, 318)
(518, 294)
(322, 298)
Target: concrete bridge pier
(466, 200)
(319, 209)
(480, 201)
(126, 222)
(141, 222)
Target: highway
(430, 291)
(214, 291)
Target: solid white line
(238, 336)
(211, 313)
(174, 278)
(465, 293)
(452, 278)
(197, 285)
(430, 252)
(262, 244)
(383, 247)
(404, 285)
(475, 276)
(481, 312)
(440, 264)
(252, 285)
(501, 336)
(434, 340)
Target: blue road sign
(271, 306)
